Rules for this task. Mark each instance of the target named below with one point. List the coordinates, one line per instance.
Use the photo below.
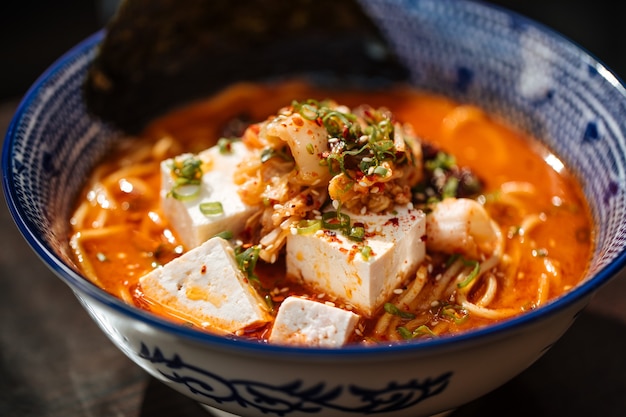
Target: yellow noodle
(490, 291)
(484, 312)
(83, 259)
(543, 289)
(414, 289)
(80, 214)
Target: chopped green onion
(310, 149)
(394, 310)
(307, 227)
(443, 161)
(450, 188)
(269, 153)
(212, 208)
(246, 261)
(422, 330)
(357, 233)
(185, 192)
(458, 314)
(189, 169)
(382, 171)
(226, 235)
(225, 146)
(404, 333)
(366, 252)
(334, 220)
(473, 274)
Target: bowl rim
(81, 286)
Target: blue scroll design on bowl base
(282, 400)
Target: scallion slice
(211, 208)
(307, 227)
(393, 309)
(185, 192)
(473, 273)
(226, 235)
(333, 220)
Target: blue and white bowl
(510, 66)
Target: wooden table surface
(55, 362)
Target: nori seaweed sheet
(159, 54)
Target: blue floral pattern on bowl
(294, 396)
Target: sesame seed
(329, 303)
(398, 291)
(278, 207)
(363, 209)
(335, 204)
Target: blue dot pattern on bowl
(47, 171)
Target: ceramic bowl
(510, 66)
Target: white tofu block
(190, 224)
(310, 323)
(204, 286)
(331, 263)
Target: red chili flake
(203, 269)
(309, 199)
(393, 221)
(298, 121)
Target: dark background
(33, 33)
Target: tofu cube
(310, 323)
(204, 286)
(331, 263)
(191, 225)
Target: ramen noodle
(505, 225)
